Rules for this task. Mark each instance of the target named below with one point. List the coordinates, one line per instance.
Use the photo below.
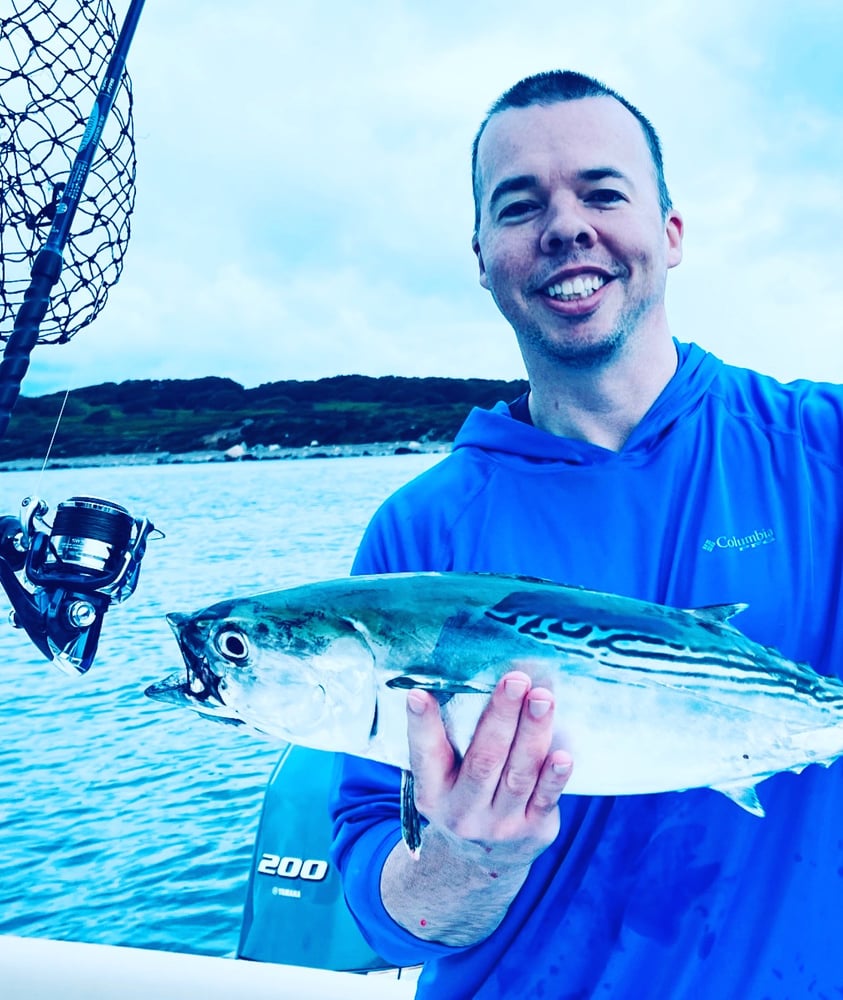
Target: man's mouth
(579, 287)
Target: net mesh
(53, 56)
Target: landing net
(52, 57)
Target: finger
(489, 749)
(432, 758)
(528, 752)
(552, 780)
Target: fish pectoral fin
(411, 825)
(744, 795)
(436, 684)
(719, 613)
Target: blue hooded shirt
(729, 490)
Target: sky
(303, 204)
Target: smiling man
(574, 246)
(628, 455)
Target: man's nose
(566, 224)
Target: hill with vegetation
(186, 415)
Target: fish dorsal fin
(744, 795)
(719, 613)
(522, 578)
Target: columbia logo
(740, 543)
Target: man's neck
(603, 404)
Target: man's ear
(475, 246)
(674, 231)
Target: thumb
(433, 760)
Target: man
(636, 465)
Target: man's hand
(490, 814)
(505, 791)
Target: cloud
(304, 205)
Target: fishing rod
(62, 577)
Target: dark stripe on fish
(638, 649)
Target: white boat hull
(43, 969)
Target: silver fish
(649, 698)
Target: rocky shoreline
(238, 453)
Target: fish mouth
(198, 687)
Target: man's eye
(515, 209)
(605, 196)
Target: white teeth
(579, 287)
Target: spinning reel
(62, 578)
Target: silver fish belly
(649, 698)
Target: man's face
(572, 243)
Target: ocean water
(123, 820)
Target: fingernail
(514, 688)
(416, 702)
(561, 763)
(538, 708)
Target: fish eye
(232, 644)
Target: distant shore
(238, 453)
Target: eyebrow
(519, 183)
(601, 173)
(524, 181)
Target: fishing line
(52, 442)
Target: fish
(649, 698)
